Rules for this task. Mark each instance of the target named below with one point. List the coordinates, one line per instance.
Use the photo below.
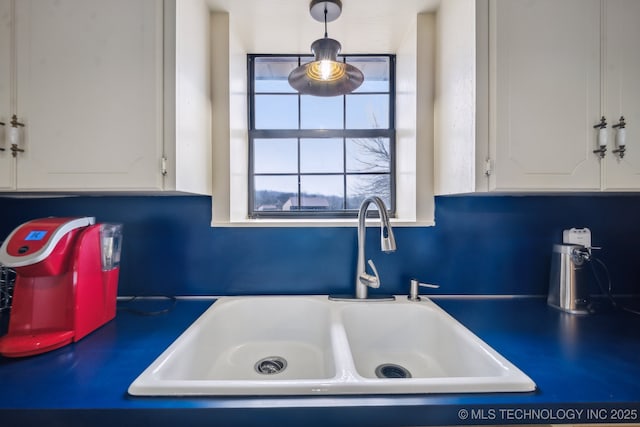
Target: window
(314, 156)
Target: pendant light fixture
(325, 76)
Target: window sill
(317, 223)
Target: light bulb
(325, 69)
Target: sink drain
(270, 365)
(390, 370)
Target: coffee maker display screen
(36, 235)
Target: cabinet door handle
(602, 137)
(15, 135)
(2, 124)
(621, 137)
(15, 150)
(15, 123)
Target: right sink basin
(416, 346)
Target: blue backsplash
(480, 245)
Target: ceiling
(285, 26)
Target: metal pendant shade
(325, 76)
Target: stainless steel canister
(568, 287)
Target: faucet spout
(365, 280)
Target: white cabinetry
(90, 86)
(544, 73)
(6, 165)
(622, 89)
(187, 96)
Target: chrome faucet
(365, 280)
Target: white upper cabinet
(545, 72)
(6, 163)
(187, 97)
(92, 91)
(622, 91)
(88, 85)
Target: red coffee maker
(66, 282)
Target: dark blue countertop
(587, 369)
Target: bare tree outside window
(377, 158)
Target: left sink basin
(247, 345)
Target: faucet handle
(414, 293)
(371, 280)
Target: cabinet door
(6, 161)
(90, 94)
(545, 84)
(622, 90)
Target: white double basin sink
(310, 345)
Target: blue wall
(480, 245)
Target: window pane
(275, 155)
(272, 73)
(321, 155)
(276, 111)
(275, 193)
(322, 192)
(368, 155)
(367, 111)
(308, 155)
(359, 187)
(376, 73)
(321, 112)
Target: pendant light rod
(326, 34)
